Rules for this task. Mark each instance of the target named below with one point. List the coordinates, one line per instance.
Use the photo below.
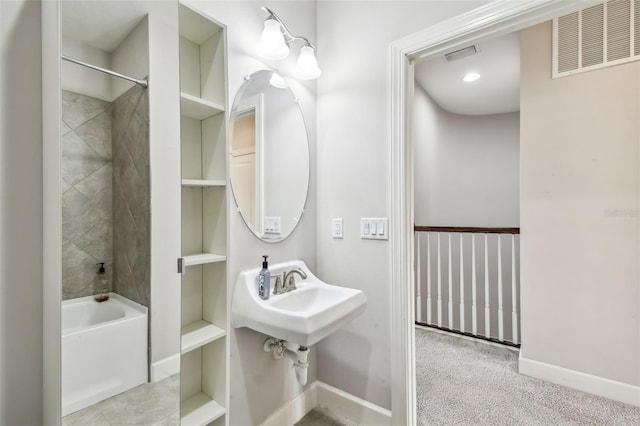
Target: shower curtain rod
(144, 82)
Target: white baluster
(487, 310)
(429, 321)
(474, 307)
(417, 260)
(439, 286)
(514, 296)
(450, 304)
(500, 311)
(461, 286)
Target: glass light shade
(272, 45)
(277, 81)
(307, 65)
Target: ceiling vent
(461, 53)
(596, 37)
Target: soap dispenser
(264, 280)
(102, 295)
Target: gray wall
(131, 196)
(579, 215)
(20, 214)
(353, 175)
(87, 217)
(465, 167)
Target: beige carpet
(465, 382)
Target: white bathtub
(104, 349)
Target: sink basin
(304, 316)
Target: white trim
(165, 368)
(353, 408)
(294, 410)
(51, 212)
(618, 391)
(339, 402)
(495, 18)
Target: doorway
(496, 18)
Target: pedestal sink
(303, 316)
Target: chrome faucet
(288, 281)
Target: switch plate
(272, 225)
(336, 227)
(374, 228)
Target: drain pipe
(299, 356)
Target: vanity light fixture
(472, 76)
(275, 41)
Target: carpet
(466, 382)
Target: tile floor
(321, 416)
(150, 404)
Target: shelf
(198, 334)
(203, 182)
(200, 410)
(202, 258)
(197, 108)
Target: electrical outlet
(336, 228)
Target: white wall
(466, 167)
(131, 57)
(79, 79)
(259, 383)
(353, 175)
(164, 139)
(580, 215)
(20, 214)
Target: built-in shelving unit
(203, 368)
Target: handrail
(466, 229)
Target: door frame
(493, 19)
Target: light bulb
(272, 45)
(277, 81)
(307, 65)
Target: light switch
(374, 228)
(336, 228)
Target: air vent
(596, 37)
(461, 53)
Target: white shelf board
(194, 107)
(203, 182)
(200, 410)
(202, 258)
(198, 334)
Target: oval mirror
(269, 156)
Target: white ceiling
(102, 24)
(496, 92)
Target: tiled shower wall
(87, 227)
(131, 196)
(105, 194)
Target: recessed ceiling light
(472, 76)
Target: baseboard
(294, 410)
(353, 408)
(607, 388)
(165, 368)
(339, 402)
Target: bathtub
(104, 349)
